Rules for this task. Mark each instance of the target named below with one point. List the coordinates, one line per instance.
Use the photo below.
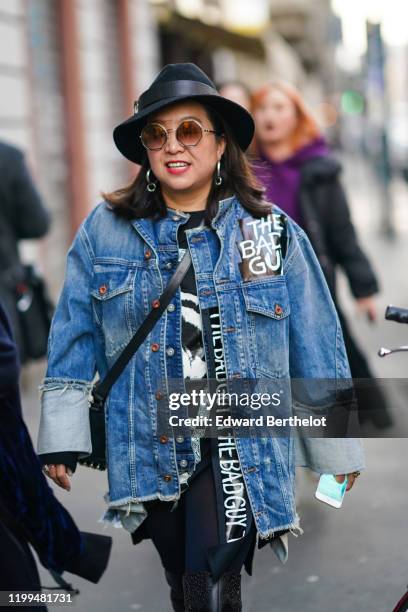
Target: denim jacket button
(156, 303)
(170, 351)
(155, 347)
(183, 463)
(175, 217)
(158, 395)
(103, 289)
(278, 309)
(167, 477)
(147, 254)
(168, 265)
(179, 439)
(163, 439)
(171, 308)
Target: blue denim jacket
(115, 269)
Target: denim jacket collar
(145, 226)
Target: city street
(352, 559)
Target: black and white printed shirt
(194, 364)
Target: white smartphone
(330, 491)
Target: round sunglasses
(189, 133)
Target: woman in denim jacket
(254, 307)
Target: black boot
(175, 582)
(202, 594)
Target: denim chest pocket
(113, 305)
(268, 308)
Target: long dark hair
(134, 201)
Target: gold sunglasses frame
(167, 132)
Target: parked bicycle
(400, 315)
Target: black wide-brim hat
(174, 83)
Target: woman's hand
(351, 478)
(368, 307)
(60, 474)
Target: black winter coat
(22, 213)
(327, 222)
(22, 216)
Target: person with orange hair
(299, 175)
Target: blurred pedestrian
(189, 494)
(237, 91)
(29, 512)
(22, 216)
(300, 176)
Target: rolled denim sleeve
(65, 390)
(317, 351)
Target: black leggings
(183, 535)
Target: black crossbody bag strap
(102, 388)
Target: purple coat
(282, 179)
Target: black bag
(25, 297)
(97, 459)
(34, 312)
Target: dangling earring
(218, 178)
(150, 185)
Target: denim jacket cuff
(330, 455)
(64, 422)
